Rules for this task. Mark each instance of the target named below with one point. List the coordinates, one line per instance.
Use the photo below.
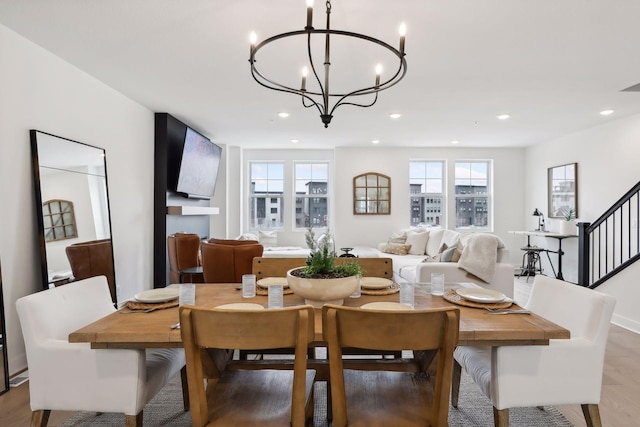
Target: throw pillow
(268, 239)
(447, 254)
(457, 253)
(247, 236)
(418, 242)
(397, 249)
(435, 241)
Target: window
(59, 220)
(266, 198)
(426, 187)
(311, 194)
(472, 180)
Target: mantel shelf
(192, 210)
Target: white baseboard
(625, 322)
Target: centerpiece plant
(321, 262)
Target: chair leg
(455, 383)
(134, 420)
(185, 388)
(592, 415)
(40, 418)
(500, 417)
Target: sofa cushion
(418, 242)
(434, 242)
(268, 238)
(396, 248)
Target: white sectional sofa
(437, 250)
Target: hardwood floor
(618, 405)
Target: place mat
(147, 306)
(386, 291)
(265, 291)
(453, 297)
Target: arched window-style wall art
(371, 194)
(59, 220)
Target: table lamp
(540, 216)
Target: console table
(558, 236)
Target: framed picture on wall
(563, 190)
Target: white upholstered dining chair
(565, 372)
(74, 377)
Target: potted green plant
(322, 280)
(568, 225)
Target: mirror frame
(569, 172)
(3, 341)
(38, 198)
(376, 199)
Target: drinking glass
(357, 293)
(187, 294)
(275, 296)
(407, 294)
(437, 284)
(248, 285)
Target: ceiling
(552, 65)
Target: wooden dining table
(153, 329)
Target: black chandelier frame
(323, 98)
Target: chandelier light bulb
(378, 73)
(305, 72)
(402, 30)
(309, 3)
(253, 38)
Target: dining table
(153, 329)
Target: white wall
(40, 91)
(607, 158)
(369, 230)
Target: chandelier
(322, 96)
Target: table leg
(560, 253)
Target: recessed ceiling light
(295, 141)
(375, 141)
(503, 116)
(283, 115)
(606, 112)
(455, 142)
(395, 115)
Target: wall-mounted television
(195, 165)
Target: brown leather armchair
(93, 258)
(183, 251)
(226, 262)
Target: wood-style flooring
(618, 406)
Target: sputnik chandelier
(322, 96)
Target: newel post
(583, 253)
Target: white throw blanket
(479, 256)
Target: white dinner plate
(241, 306)
(268, 281)
(385, 305)
(481, 295)
(158, 295)
(375, 283)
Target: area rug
(474, 409)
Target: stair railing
(611, 243)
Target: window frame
(267, 196)
(488, 208)
(428, 195)
(312, 197)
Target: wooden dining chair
(391, 392)
(257, 395)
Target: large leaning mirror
(563, 191)
(73, 210)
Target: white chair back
(586, 313)
(54, 313)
